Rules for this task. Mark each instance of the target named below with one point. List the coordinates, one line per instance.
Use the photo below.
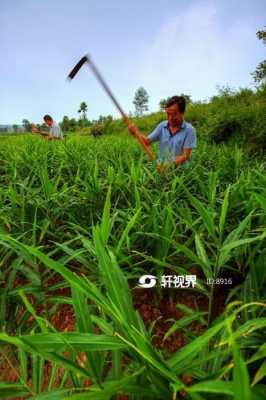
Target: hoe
(87, 59)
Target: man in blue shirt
(176, 136)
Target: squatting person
(176, 136)
(55, 131)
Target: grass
(97, 215)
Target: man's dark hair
(47, 118)
(179, 100)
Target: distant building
(10, 128)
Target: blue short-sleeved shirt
(172, 145)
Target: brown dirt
(149, 306)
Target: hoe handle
(112, 97)
(123, 114)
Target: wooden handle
(123, 114)
(143, 144)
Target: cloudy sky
(167, 46)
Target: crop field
(81, 221)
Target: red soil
(149, 306)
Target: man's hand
(184, 157)
(162, 168)
(145, 140)
(34, 129)
(135, 132)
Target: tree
(83, 108)
(104, 123)
(72, 124)
(26, 125)
(162, 104)
(187, 98)
(141, 101)
(105, 120)
(83, 122)
(65, 123)
(259, 75)
(15, 128)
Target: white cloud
(198, 49)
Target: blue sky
(167, 46)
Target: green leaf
(240, 376)
(260, 374)
(215, 386)
(12, 390)
(106, 220)
(193, 257)
(203, 256)
(183, 322)
(224, 210)
(261, 200)
(23, 365)
(84, 325)
(225, 251)
(59, 342)
(110, 389)
(187, 353)
(237, 232)
(260, 353)
(127, 229)
(206, 214)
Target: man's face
(48, 122)
(174, 116)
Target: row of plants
(88, 218)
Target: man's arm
(189, 144)
(146, 140)
(36, 131)
(184, 157)
(134, 131)
(153, 136)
